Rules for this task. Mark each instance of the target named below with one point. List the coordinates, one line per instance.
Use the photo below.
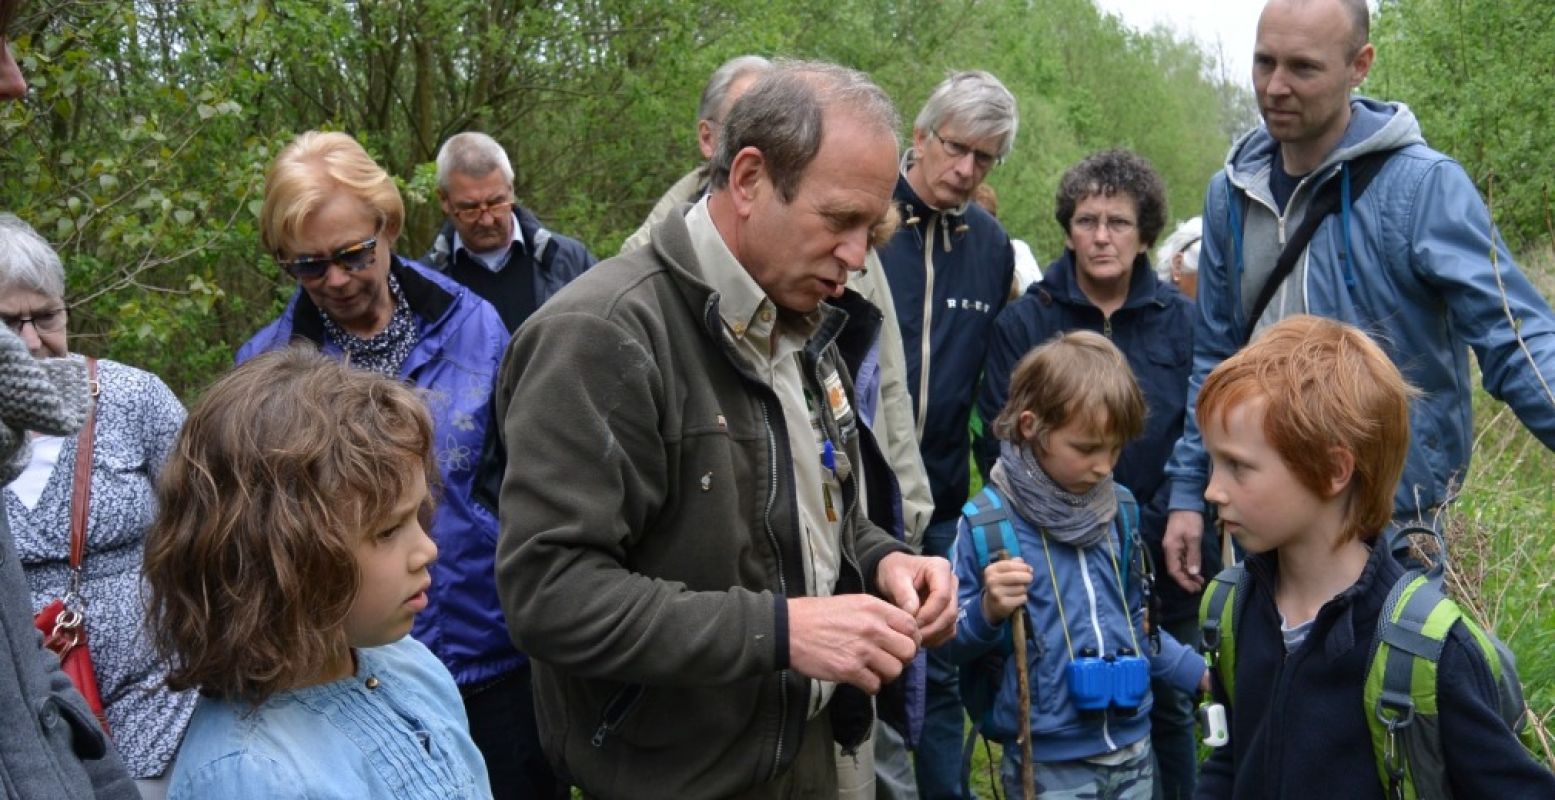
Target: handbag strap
(81, 491)
(1357, 173)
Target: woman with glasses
(136, 420)
(330, 218)
(1112, 206)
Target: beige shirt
(894, 427)
(770, 344)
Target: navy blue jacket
(454, 362)
(962, 260)
(1154, 329)
(1298, 726)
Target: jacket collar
(527, 225)
(1061, 284)
(1336, 621)
(672, 243)
(1374, 126)
(427, 300)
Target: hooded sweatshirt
(1409, 262)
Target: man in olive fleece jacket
(683, 553)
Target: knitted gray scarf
(1081, 520)
(48, 395)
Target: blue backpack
(993, 538)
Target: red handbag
(62, 622)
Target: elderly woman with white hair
(122, 451)
(1177, 259)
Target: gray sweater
(52, 747)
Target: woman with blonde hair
(330, 218)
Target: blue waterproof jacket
(1154, 329)
(1087, 601)
(1410, 263)
(950, 274)
(455, 363)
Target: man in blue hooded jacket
(1413, 260)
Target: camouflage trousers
(1131, 779)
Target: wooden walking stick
(1023, 685)
(1023, 688)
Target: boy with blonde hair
(1075, 565)
(1307, 430)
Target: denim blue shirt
(394, 729)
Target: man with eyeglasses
(950, 267)
(724, 87)
(689, 550)
(492, 244)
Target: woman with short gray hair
(137, 420)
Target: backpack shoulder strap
(1127, 524)
(988, 518)
(1220, 614)
(988, 522)
(1354, 176)
(1402, 684)
(1401, 680)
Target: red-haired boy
(1307, 429)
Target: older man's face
(951, 164)
(801, 252)
(481, 210)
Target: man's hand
(851, 638)
(924, 587)
(1180, 544)
(1004, 588)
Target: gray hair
(977, 104)
(1184, 240)
(474, 154)
(28, 261)
(782, 116)
(712, 106)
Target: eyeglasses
(958, 150)
(469, 215)
(48, 321)
(354, 258)
(1117, 226)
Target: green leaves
(1476, 73)
(142, 151)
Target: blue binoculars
(1120, 681)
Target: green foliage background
(141, 150)
(1479, 75)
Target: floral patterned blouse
(138, 418)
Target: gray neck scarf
(1080, 520)
(48, 395)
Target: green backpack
(1401, 682)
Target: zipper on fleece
(928, 323)
(616, 712)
